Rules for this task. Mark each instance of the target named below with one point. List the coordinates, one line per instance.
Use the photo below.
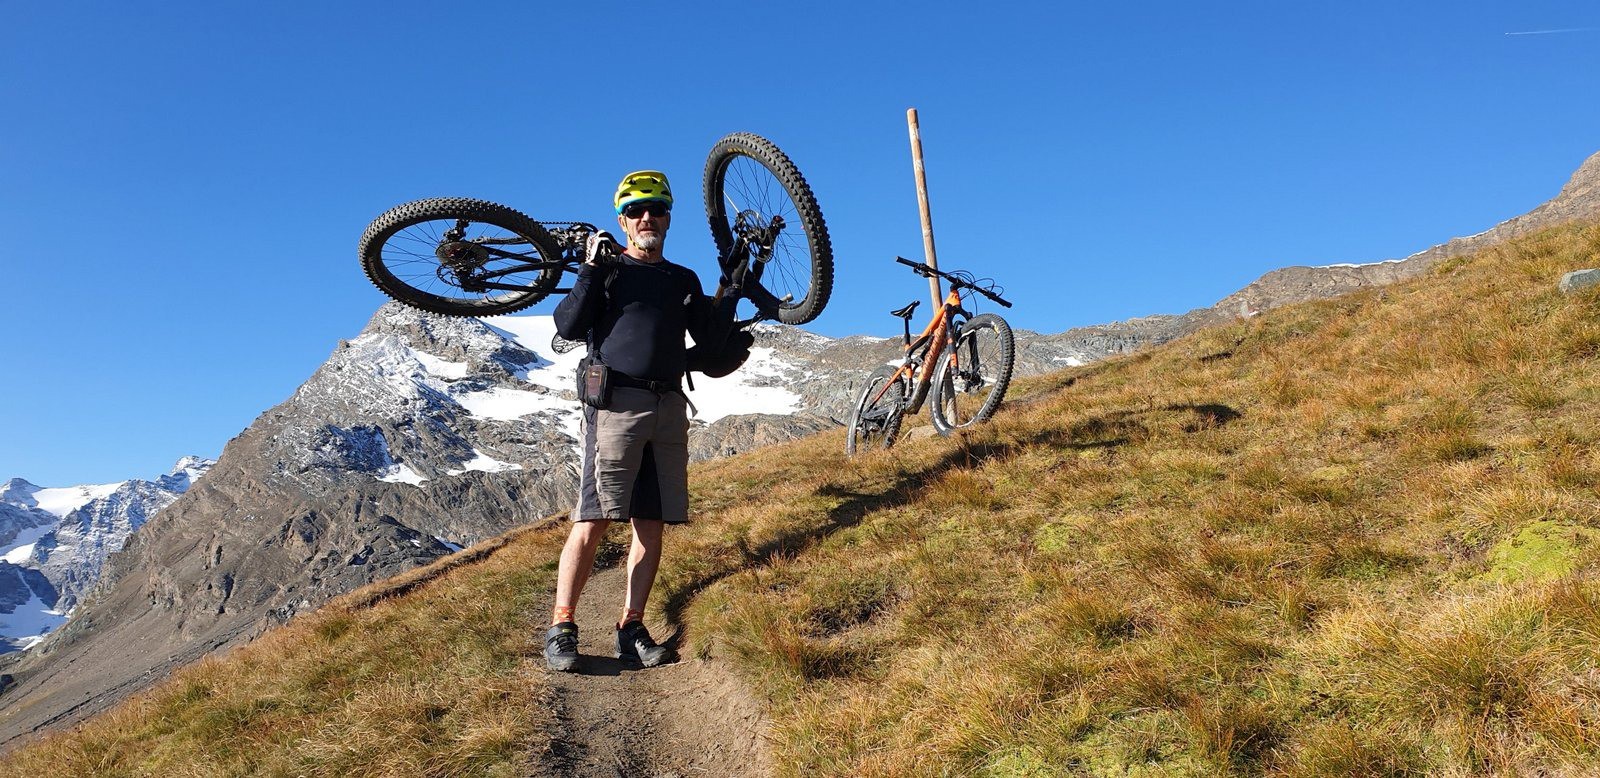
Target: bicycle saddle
(905, 313)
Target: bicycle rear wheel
(460, 257)
(746, 173)
(973, 376)
(875, 420)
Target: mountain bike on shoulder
(465, 257)
(963, 360)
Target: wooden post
(922, 204)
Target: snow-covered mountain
(54, 542)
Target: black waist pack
(594, 383)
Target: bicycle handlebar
(955, 281)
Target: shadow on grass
(1108, 431)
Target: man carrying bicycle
(634, 309)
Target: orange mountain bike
(967, 381)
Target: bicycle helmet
(643, 186)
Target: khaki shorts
(635, 459)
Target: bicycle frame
(918, 369)
(755, 239)
(569, 238)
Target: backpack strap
(605, 288)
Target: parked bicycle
(967, 382)
(465, 257)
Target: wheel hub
(461, 255)
(458, 261)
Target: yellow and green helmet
(643, 186)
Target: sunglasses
(655, 208)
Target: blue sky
(182, 185)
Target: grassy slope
(1352, 537)
(429, 673)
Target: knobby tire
(799, 267)
(970, 394)
(862, 432)
(398, 254)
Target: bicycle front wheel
(460, 257)
(972, 378)
(875, 420)
(747, 174)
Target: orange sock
(629, 614)
(563, 614)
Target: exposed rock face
(17, 516)
(737, 434)
(73, 556)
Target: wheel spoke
(747, 171)
(974, 376)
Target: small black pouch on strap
(594, 383)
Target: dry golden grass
(1277, 547)
(1353, 537)
(432, 673)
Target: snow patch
(1367, 264)
(65, 500)
(534, 333)
(713, 398)
(30, 622)
(21, 547)
(503, 404)
(400, 474)
(440, 367)
(485, 463)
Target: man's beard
(649, 242)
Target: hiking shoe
(561, 647)
(634, 645)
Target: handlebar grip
(990, 295)
(908, 263)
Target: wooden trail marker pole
(922, 204)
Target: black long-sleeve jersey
(636, 322)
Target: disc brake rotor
(458, 259)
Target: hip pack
(594, 383)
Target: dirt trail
(614, 719)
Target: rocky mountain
(425, 434)
(420, 436)
(57, 541)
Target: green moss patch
(1541, 550)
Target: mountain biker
(634, 310)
